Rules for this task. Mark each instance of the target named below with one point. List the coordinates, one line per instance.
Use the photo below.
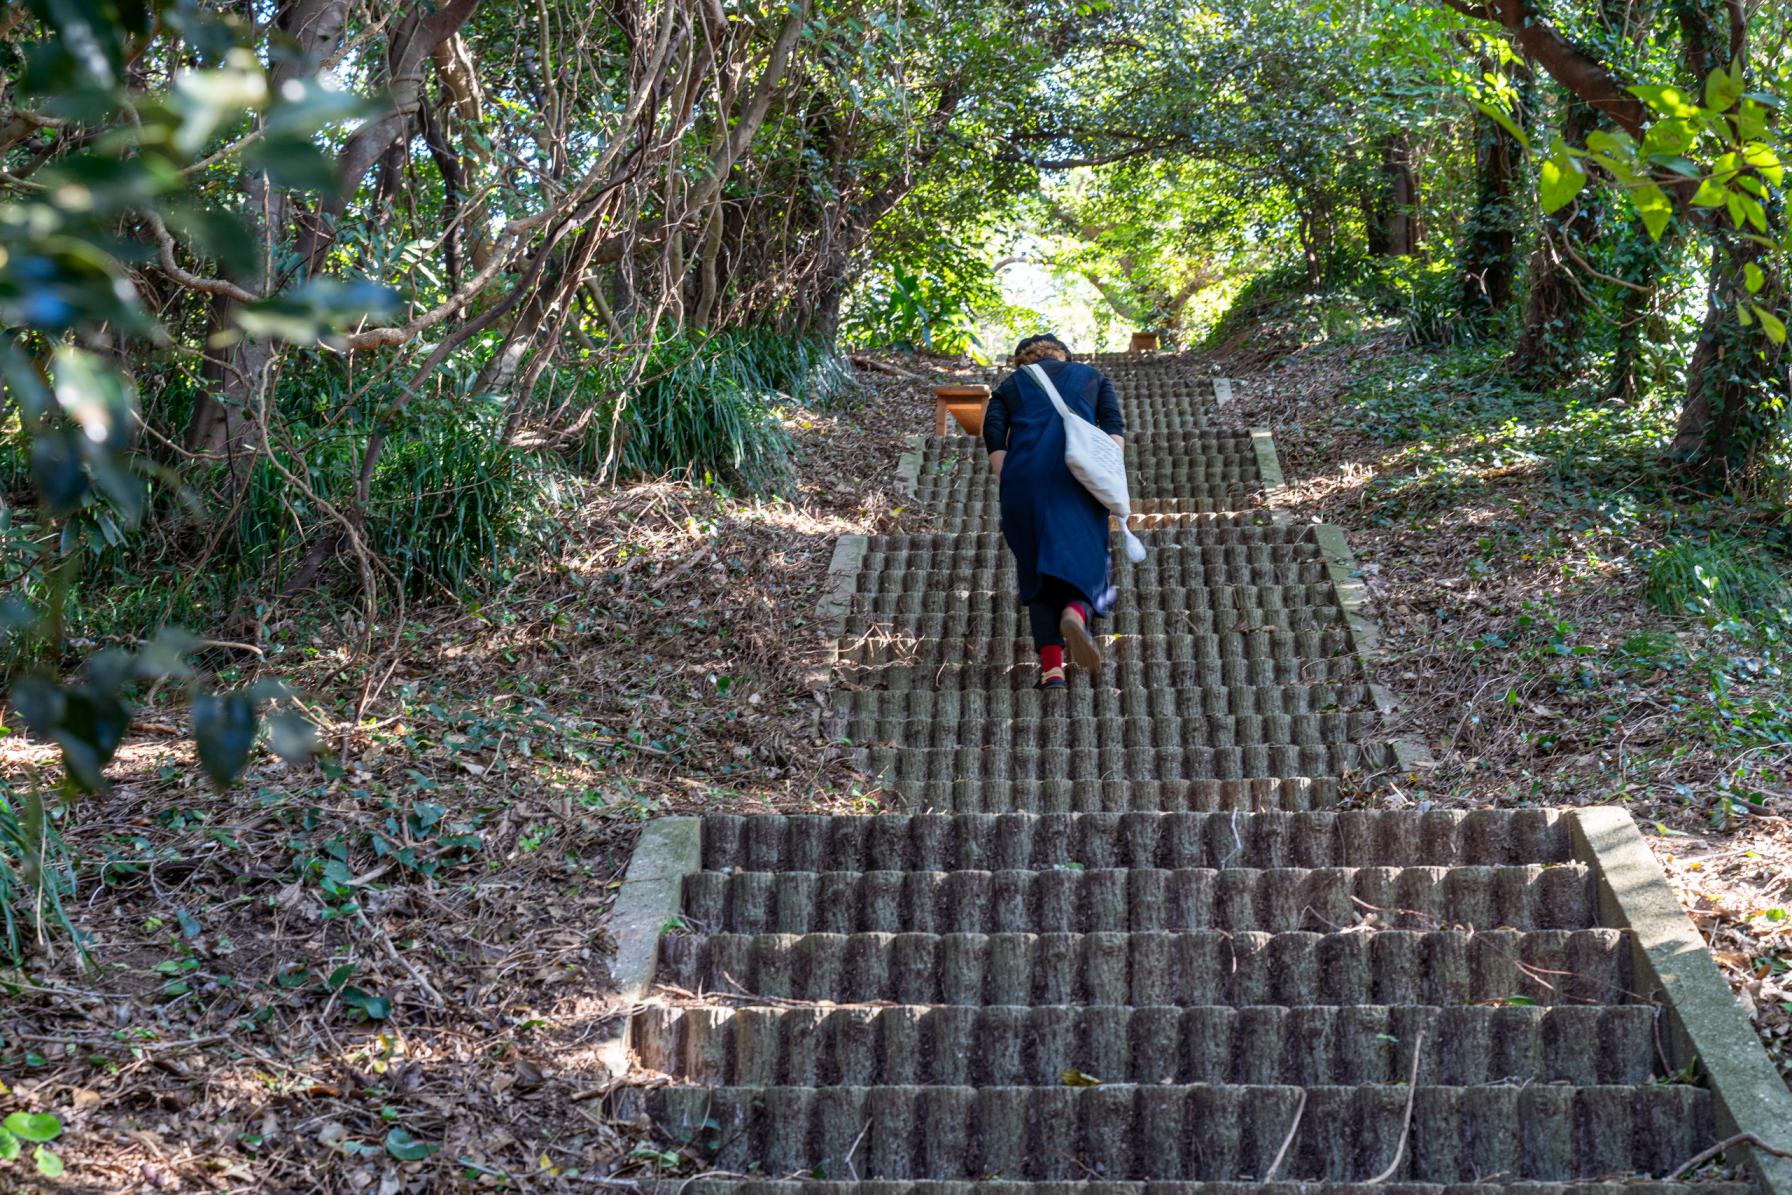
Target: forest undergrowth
(1562, 624)
(394, 960)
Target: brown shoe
(1079, 644)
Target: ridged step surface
(1003, 1046)
(1221, 672)
(1044, 733)
(1140, 899)
(1109, 795)
(932, 842)
(731, 1186)
(1121, 706)
(951, 628)
(962, 765)
(1457, 1134)
(1373, 966)
(1168, 603)
(720, 1186)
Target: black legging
(1046, 608)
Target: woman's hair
(1038, 348)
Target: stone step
(1147, 419)
(1144, 592)
(1061, 795)
(1246, 600)
(1370, 966)
(1006, 620)
(964, 518)
(944, 492)
(942, 842)
(1022, 674)
(1140, 900)
(1229, 672)
(1283, 647)
(755, 1186)
(1222, 534)
(1065, 733)
(1264, 701)
(1183, 437)
(990, 1047)
(1456, 1134)
(966, 492)
(922, 765)
(992, 568)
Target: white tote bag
(1095, 460)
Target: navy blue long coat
(1054, 527)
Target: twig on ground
(1288, 1141)
(1729, 1143)
(1412, 1094)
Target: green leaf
(1763, 159)
(1655, 208)
(1669, 101)
(1500, 117)
(1613, 144)
(1669, 138)
(1771, 324)
(33, 1126)
(224, 731)
(1562, 178)
(1754, 278)
(375, 1008)
(407, 1148)
(48, 1164)
(1722, 90)
(9, 1146)
(1711, 194)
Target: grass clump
(36, 874)
(711, 406)
(452, 503)
(1718, 577)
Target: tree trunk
(1556, 301)
(1737, 388)
(1490, 259)
(1392, 215)
(1636, 314)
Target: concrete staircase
(1123, 941)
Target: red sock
(1082, 611)
(1051, 657)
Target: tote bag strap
(1051, 391)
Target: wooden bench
(966, 404)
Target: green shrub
(710, 406)
(1721, 577)
(452, 503)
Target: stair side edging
(1353, 596)
(651, 896)
(1269, 471)
(908, 466)
(1748, 1093)
(843, 582)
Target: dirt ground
(306, 982)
